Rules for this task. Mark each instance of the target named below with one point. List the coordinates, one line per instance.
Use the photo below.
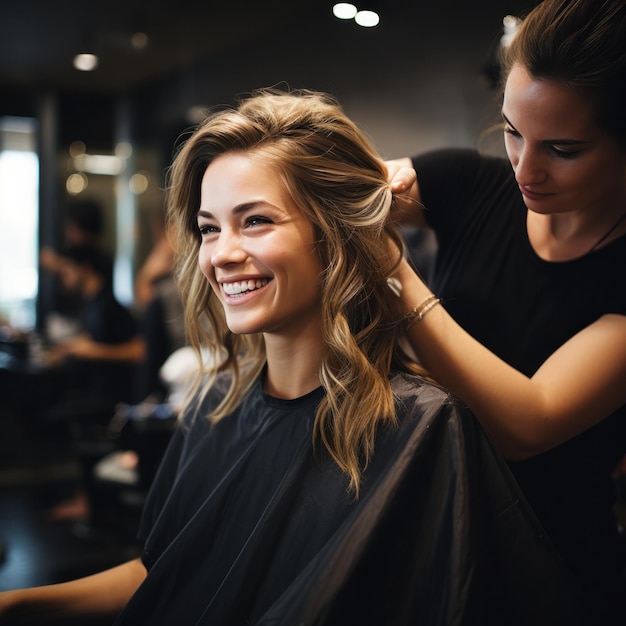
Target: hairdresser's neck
(292, 365)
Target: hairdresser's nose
(228, 249)
(528, 164)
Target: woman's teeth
(243, 286)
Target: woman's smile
(239, 288)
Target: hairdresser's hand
(403, 181)
(400, 174)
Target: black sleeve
(158, 348)
(444, 178)
(455, 182)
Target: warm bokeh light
(77, 148)
(139, 40)
(197, 113)
(86, 62)
(76, 183)
(138, 183)
(510, 25)
(123, 150)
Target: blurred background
(94, 98)
(423, 77)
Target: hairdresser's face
(562, 160)
(257, 249)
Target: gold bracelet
(418, 312)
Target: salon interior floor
(36, 472)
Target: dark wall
(419, 80)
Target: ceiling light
(367, 18)
(86, 62)
(344, 11)
(106, 164)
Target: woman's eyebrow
(237, 210)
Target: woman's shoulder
(206, 399)
(429, 419)
(413, 390)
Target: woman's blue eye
(255, 220)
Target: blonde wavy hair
(338, 181)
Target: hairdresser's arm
(100, 595)
(576, 387)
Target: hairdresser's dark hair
(581, 43)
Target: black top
(246, 524)
(163, 329)
(106, 321)
(523, 308)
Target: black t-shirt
(523, 308)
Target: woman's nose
(227, 249)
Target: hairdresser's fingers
(400, 174)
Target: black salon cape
(247, 524)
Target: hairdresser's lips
(532, 195)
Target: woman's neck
(293, 366)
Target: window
(19, 223)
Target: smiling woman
(317, 477)
(268, 194)
(258, 253)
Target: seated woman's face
(258, 249)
